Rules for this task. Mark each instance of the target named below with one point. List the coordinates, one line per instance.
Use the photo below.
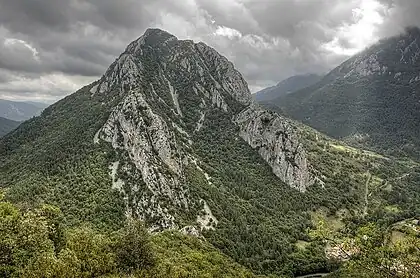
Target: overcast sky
(50, 48)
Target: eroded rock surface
(166, 88)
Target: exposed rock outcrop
(166, 87)
(278, 143)
(151, 146)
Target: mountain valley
(287, 86)
(171, 136)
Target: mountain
(287, 86)
(20, 111)
(41, 105)
(7, 125)
(170, 135)
(372, 99)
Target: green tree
(54, 218)
(133, 247)
(9, 217)
(92, 250)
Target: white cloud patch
(227, 32)
(12, 43)
(361, 33)
(48, 88)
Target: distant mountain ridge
(7, 125)
(372, 99)
(286, 86)
(20, 111)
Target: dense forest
(35, 243)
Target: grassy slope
(348, 169)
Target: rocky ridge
(166, 88)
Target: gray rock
(278, 144)
(147, 127)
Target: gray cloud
(49, 48)
(399, 15)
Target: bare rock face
(151, 146)
(278, 144)
(165, 88)
(224, 71)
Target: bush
(133, 247)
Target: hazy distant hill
(7, 125)
(20, 111)
(287, 86)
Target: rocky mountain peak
(167, 90)
(153, 37)
(398, 57)
(170, 58)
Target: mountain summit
(169, 135)
(168, 88)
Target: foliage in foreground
(34, 243)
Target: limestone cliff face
(165, 88)
(278, 144)
(151, 146)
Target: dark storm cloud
(280, 18)
(304, 24)
(71, 36)
(57, 45)
(16, 56)
(280, 38)
(26, 16)
(29, 16)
